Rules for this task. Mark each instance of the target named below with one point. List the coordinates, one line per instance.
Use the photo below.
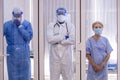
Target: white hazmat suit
(60, 50)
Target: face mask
(98, 31)
(61, 18)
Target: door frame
(1, 41)
(34, 41)
(80, 40)
(41, 40)
(118, 39)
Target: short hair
(97, 22)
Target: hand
(98, 68)
(17, 22)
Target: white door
(29, 8)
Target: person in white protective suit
(61, 35)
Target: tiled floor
(111, 76)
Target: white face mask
(61, 18)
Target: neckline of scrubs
(96, 40)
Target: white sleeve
(52, 39)
(71, 39)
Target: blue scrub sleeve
(108, 48)
(26, 32)
(4, 29)
(88, 48)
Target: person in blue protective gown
(61, 35)
(18, 33)
(98, 51)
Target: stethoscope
(59, 27)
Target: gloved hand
(17, 22)
(66, 37)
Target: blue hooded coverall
(18, 39)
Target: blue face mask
(98, 31)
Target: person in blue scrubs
(18, 33)
(98, 51)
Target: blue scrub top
(98, 50)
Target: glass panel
(104, 11)
(17, 52)
(50, 16)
